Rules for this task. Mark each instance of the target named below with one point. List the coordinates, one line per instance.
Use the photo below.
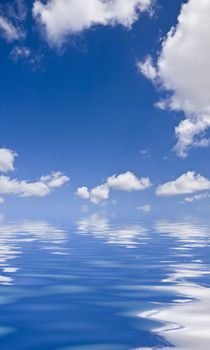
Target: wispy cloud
(22, 188)
(146, 208)
(8, 30)
(197, 197)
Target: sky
(104, 107)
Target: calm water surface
(104, 286)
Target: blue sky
(82, 103)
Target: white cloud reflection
(186, 319)
(14, 235)
(129, 236)
(190, 235)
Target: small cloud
(26, 55)
(23, 188)
(20, 52)
(2, 200)
(82, 192)
(128, 182)
(8, 31)
(99, 194)
(148, 69)
(41, 188)
(122, 182)
(146, 208)
(197, 197)
(145, 153)
(7, 158)
(187, 183)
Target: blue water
(99, 285)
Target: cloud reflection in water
(14, 235)
(186, 320)
(129, 236)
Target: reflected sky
(186, 319)
(13, 236)
(189, 235)
(83, 288)
(129, 236)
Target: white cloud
(146, 208)
(123, 182)
(61, 18)
(99, 194)
(82, 192)
(148, 69)
(1, 200)
(197, 197)
(182, 69)
(8, 30)
(55, 179)
(7, 158)
(187, 183)
(40, 188)
(145, 153)
(128, 182)
(26, 55)
(20, 52)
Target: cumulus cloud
(23, 53)
(55, 179)
(7, 158)
(61, 18)
(99, 194)
(40, 188)
(128, 182)
(82, 192)
(146, 208)
(148, 69)
(182, 69)
(187, 183)
(122, 182)
(1, 200)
